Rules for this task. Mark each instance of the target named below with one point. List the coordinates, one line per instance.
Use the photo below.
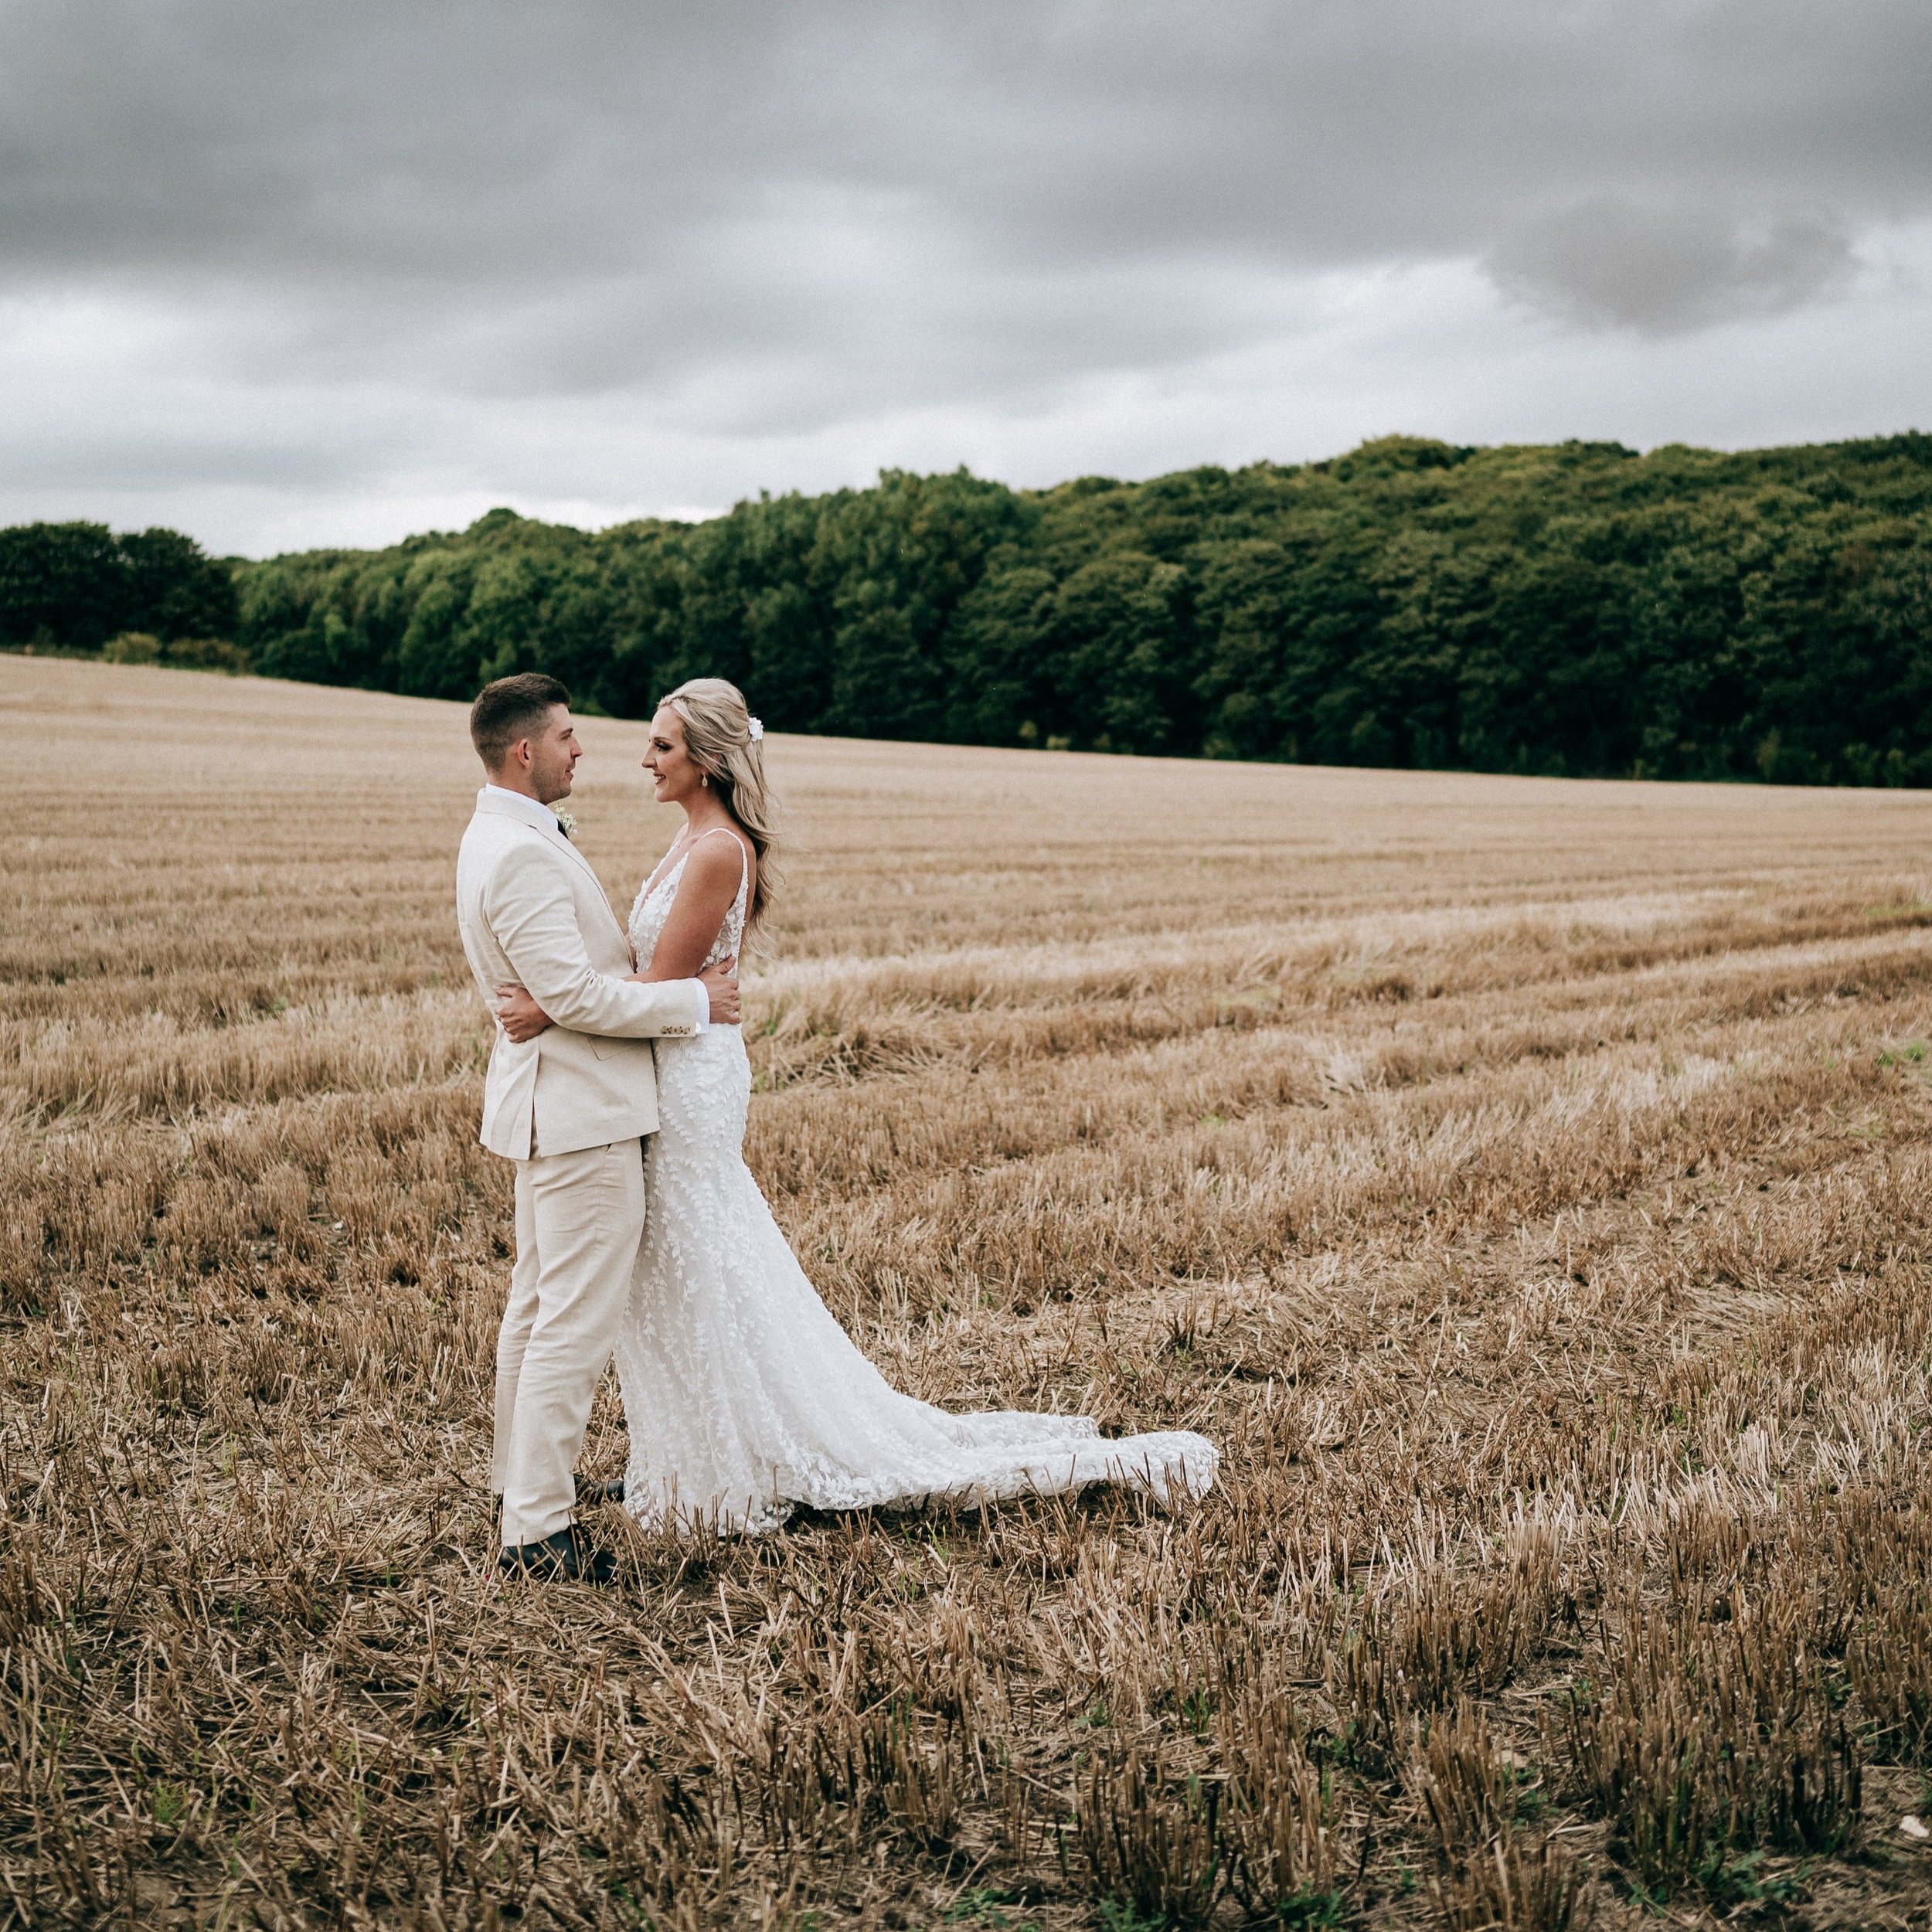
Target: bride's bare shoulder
(716, 863)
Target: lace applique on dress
(656, 896)
(743, 1397)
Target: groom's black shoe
(599, 1489)
(558, 1559)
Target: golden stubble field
(1528, 1184)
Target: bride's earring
(704, 779)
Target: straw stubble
(1527, 1184)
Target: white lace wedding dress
(744, 1397)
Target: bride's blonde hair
(725, 742)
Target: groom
(569, 1107)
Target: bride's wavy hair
(718, 734)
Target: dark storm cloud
(755, 222)
(586, 193)
(1668, 265)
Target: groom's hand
(721, 982)
(519, 1015)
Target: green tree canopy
(72, 586)
(1568, 608)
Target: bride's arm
(705, 896)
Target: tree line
(1575, 608)
(78, 587)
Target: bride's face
(674, 776)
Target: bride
(744, 1397)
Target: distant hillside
(1568, 609)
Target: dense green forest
(73, 586)
(1576, 608)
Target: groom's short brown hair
(509, 709)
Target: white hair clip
(755, 728)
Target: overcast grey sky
(285, 275)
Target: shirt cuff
(704, 1006)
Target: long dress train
(743, 1397)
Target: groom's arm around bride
(535, 915)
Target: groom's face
(554, 753)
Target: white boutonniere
(567, 824)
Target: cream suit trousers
(580, 1217)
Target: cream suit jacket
(534, 914)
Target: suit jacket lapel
(553, 834)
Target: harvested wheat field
(1528, 1183)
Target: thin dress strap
(744, 857)
(661, 871)
(733, 929)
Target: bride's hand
(519, 1015)
(720, 983)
